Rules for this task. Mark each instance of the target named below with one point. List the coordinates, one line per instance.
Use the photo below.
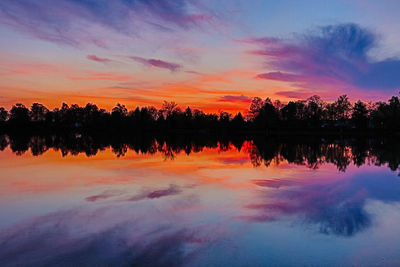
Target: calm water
(243, 204)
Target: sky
(211, 55)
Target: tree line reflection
(309, 151)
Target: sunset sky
(212, 55)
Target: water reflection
(311, 152)
(173, 201)
(102, 237)
(338, 207)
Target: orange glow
(52, 85)
(229, 168)
(93, 76)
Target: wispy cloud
(157, 63)
(145, 194)
(76, 22)
(170, 191)
(98, 59)
(104, 195)
(193, 72)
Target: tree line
(312, 114)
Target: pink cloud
(193, 72)
(98, 59)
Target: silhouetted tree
(188, 118)
(314, 111)
(360, 115)
(393, 114)
(119, 111)
(19, 116)
(267, 117)
(118, 115)
(263, 116)
(342, 108)
(255, 107)
(238, 122)
(3, 114)
(168, 108)
(38, 112)
(293, 114)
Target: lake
(179, 202)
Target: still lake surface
(241, 204)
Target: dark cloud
(274, 183)
(157, 63)
(145, 194)
(279, 76)
(332, 56)
(170, 191)
(104, 195)
(235, 98)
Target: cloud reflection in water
(117, 235)
(338, 207)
